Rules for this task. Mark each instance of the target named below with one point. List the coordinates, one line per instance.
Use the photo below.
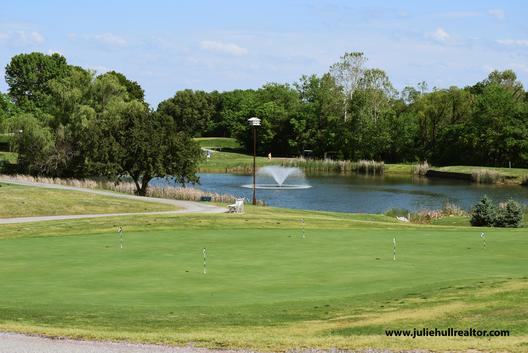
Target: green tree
(129, 140)
(190, 110)
(347, 73)
(509, 215)
(28, 76)
(484, 213)
(318, 126)
(133, 88)
(33, 142)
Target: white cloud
(497, 13)
(440, 35)
(221, 47)
(107, 39)
(22, 38)
(514, 42)
(111, 40)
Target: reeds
(426, 216)
(487, 176)
(332, 166)
(420, 168)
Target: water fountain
(279, 174)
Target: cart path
(17, 343)
(186, 206)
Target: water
(359, 193)
(280, 174)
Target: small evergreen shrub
(509, 214)
(484, 213)
(397, 212)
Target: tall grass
(420, 168)
(447, 210)
(166, 192)
(328, 165)
(487, 176)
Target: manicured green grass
(266, 287)
(514, 173)
(234, 162)
(9, 157)
(25, 201)
(218, 142)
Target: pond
(362, 193)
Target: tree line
(354, 112)
(68, 121)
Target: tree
(28, 76)
(33, 142)
(129, 140)
(347, 73)
(484, 213)
(317, 126)
(190, 110)
(7, 110)
(509, 215)
(133, 88)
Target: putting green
(269, 288)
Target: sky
(223, 45)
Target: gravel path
(187, 206)
(16, 343)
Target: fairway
(269, 288)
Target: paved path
(16, 343)
(187, 206)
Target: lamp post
(254, 122)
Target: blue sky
(222, 45)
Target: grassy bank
(26, 201)
(266, 287)
(234, 162)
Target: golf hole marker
(302, 227)
(483, 236)
(394, 249)
(204, 261)
(120, 231)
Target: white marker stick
(204, 261)
(302, 225)
(393, 249)
(120, 231)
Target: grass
(25, 201)
(8, 157)
(266, 287)
(218, 142)
(235, 162)
(514, 175)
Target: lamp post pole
(254, 122)
(254, 165)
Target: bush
(509, 214)
(484, 213)
(397, 212)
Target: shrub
(484, 213)
(450, 209)
(397, 212)
(486, 176)
(509, 214)
(421, 168)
